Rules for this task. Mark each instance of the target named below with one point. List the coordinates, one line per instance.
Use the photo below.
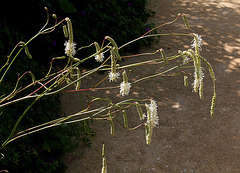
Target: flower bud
(65, 31)
(103, 150)
(186, 81)
(139, 110)
(185, 21)
(164, 56)
(125, 119)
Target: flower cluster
(113, 76)
(152, 119)
(196, 42)
(198, 80)
(125, 85)
(70, 48)
(125, 88)
(99, 57)
(152, 115)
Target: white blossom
(143, 117)
(125, 88)
(113, 76)
(70, 48)
(197, 42)
(152, 115)
(152, 120)
(197, 81)
(99, 57)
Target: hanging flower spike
(197, 43)
(113, 75)
(198, 80)
(70, 48)
(152, 119)
(152, 115)
(125, 85)
(70, 45)
(100, 56)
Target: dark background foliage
(92, 20)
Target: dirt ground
(187, 138)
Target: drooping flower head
(198, 80)
(113, 76)
(70, 45)
(152, 119)
(152, 115)
(197, 43)
(125, 85)
(125, 88)
(70, 48)
(99, 57)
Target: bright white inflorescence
(197, 42)
(70, 48)
(113, 76)
(125, 88)
(99, 57)
(152, 115)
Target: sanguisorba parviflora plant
(52, 82)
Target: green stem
(158, 74)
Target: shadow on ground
(187, 138)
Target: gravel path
(187, 138)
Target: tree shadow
(187, 138)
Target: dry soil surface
(187, 138)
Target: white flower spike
(70, 48)
(113, 76)
(152, 119)
(99, 57)
(125, 85)
(152, 115)
(196, 43)
(125, 88)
